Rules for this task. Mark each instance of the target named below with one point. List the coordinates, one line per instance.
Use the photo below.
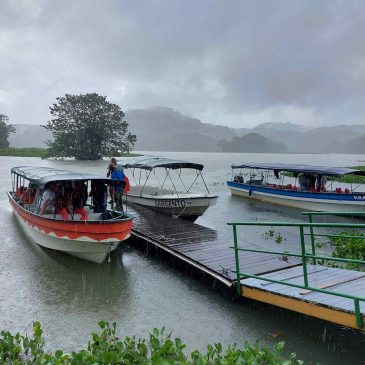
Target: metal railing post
(304, 257)
(359, 319)
(314, 261)
(237, 259)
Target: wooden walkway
(207, 251)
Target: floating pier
(285, 280)
(199, 250)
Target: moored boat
(99, 232)
(174, 201)
(307, 187)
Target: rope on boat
(176, 216)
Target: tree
(87, 127)
(5, 130)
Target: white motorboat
(158, 196)
(91, 239)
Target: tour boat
(92, 239)
(308, 187)
(174, 201)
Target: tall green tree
(5, 130)
(87, 127)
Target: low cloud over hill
(164, 129)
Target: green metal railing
(312, 234)
(304, 255)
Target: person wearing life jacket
(28, 195)
(61, 207)
(117, 189)
(127, 185)
(78, 200)
(19, 191)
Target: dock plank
(317, 279)
(202, 245)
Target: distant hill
(315, 140)
(252, 142)
(164, 129)
(355, 145)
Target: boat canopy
(299, 168)
(153, 162)
(41, 175)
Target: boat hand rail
(304, 256)
(335, 213)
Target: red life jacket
(127, 185)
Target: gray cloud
(234, 63)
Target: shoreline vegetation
(158, 349)
(42, 152)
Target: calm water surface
(69, 296)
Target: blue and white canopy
(301, 168)
(41, 175)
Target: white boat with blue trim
(307, 187)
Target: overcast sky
(235, 63)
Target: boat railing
(305, 256)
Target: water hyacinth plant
(160, 349)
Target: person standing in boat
(99, 196)
(117, 189)
(113, 163)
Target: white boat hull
(307, 203)
(185, 205)
(90, 251)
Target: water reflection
(63, 280)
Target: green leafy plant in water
(350, 246)
(320, 244)
(160, 349)
(271, 234)
(279, 238)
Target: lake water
(69, 296)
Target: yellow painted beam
(296, 305)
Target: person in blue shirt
(117, 190)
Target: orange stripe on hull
(95, 230)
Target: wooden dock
(324, 306)
(199, 247)
(206, 253)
